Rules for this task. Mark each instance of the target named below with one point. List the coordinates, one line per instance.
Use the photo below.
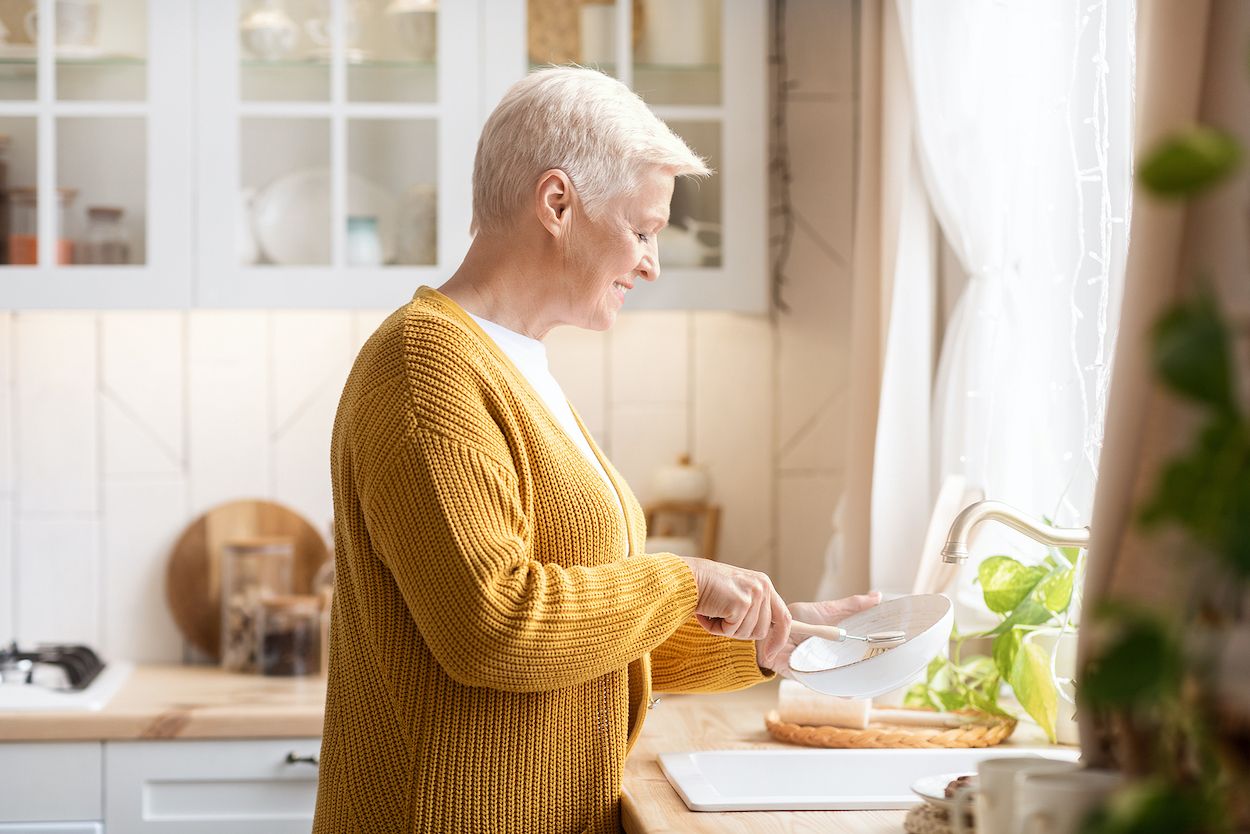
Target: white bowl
(849, 669)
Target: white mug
(995, 793)
(1058, 802)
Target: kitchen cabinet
(51, 787)
(210, 787)
(99, 120)
(319, 153)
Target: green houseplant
(1029, 599)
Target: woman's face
(613, 252)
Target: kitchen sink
(820, 780)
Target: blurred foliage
(1149, 683)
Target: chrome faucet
(956, 550)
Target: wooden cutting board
(192, 577)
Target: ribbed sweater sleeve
(448, 521)
(693, 660)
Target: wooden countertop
(185, 702)
(720, 722)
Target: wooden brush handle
(827, 632)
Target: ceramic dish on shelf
(854, 669)
(291, 216)
(932, 789)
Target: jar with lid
(252, 570)
(24, 225)
(288, 634)
(105, 240)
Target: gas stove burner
(62, 667)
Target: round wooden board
(192, 577)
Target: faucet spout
(955, 552)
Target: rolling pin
(799, 705)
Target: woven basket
(986, 731)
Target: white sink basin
(819, 780)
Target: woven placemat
(986, 731)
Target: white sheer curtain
(1022, 118)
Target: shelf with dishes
(74, 57)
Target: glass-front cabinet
(95, 159)
(335, 155)
(319, 153)
(701, 66)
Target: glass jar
(24, 225)
(364, 247)
(252, 570)
(105, 240)
(288, 634)
(323, 588)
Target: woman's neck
(508, 286)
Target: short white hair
(587, 124)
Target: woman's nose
(649, 266)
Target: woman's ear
(553, 201)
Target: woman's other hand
(830, 612)
(740, 603)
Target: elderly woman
(498, 628)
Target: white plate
(849, 669)
(291, 216)
(932, 789)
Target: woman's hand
(829, 612)
(740, 603)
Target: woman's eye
(642, 236)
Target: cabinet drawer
(210, 787)
(50, 781)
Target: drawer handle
(291, 758)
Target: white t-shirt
(530, 357)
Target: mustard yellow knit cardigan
(492, 651)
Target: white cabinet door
(49, 782)
(51, 828)
(702, 66)
(210, 787)
(100, 151)
(334, 167)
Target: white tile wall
(733, 430)
(230, 403)
(54, 411)
(7, 335)
(57, 578)
(7, 531)
(117, 428)
(143, 518)
(143, 393)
